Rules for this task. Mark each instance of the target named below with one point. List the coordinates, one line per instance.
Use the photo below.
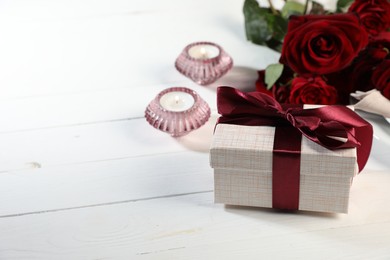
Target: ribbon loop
(333, 127)
(291, 119)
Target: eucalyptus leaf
(272, 74)
(256, 25)
(292, 8)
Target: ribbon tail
(364, 134)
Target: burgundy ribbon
(320, 125)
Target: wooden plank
(95, 142)
(192, 227)
(84, 108)
(97, 183)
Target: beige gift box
(242, 160)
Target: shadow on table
(243, 78)
(239, 77)
(380, 151)
(261, 213)
(199, 140)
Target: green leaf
(256, 25)
(264, 27)
(278, 26)
(343, 4)
(272, 74)
(292, 8)
(274, 45)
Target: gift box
(261, 160)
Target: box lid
(250, 148)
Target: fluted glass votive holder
(203, 62)
(177, 111)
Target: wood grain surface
(84, 176)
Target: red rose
(312, 91)
(374, 14)
(322, 44)
(363, 66)
(381, 78)
(381, 42)
(358, 75)
(281, 93)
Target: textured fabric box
(242, 160)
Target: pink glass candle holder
(177, 111)
(203, 62)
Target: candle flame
(203, 52)
(177, 99)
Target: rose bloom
(362, 68)
(312, 91)
(374, 14)
(381, 43)
(381, 78)
(358, 75)
(322, 44)
(281, 93)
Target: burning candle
(177, 101)
(177, 111)
(203, 62)
(203, 51)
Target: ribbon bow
(333, 127)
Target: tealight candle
(176, 101)
(203, 62)
(177, 111)
(203, 51)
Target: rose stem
(273, 10)
(306, 6)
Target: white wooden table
(83, 175)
